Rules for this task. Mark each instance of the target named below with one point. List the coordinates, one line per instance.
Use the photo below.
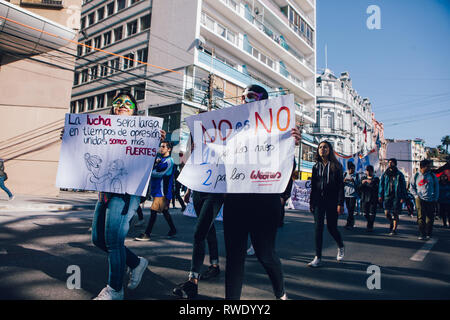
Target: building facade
(195, 55)
(343, 117)
(36, 75)
(379, 142)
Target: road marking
(421, 254)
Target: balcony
(252, 57)
(49, 4)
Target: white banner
(190, 212)
(242, 149)
(108, 153)
(300, 195)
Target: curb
(51, 207)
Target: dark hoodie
(327, 185)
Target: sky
(403, 67)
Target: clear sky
(403, 68)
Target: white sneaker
(12, 197)
(315, 263)
(136, 273)
(109, 293)
(251, 251)
(283, 297)
(340, 254)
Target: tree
(446, 142)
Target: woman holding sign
(327, 198)
(255, 214)
(110, 225)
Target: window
(120, 4)
(81, 105)
(142, 55)
(76, 78)
(221, 30)
(84, 75)
(231, 36)
(101, 14)
(118, 33)
(133, 1)
(270, 62)
(100, 100)
(145, 22)
(209, 23)
(91, 18)
(73, 105)
(90, 103)
(98, 42)
(255, 53)
(115, 65)
(104, 69)
(79, 50)
(94, 72)
(107, 38)
(109, 98)
(128, 63)
(88, 44)
(110, 9)
(131, 27)
(83, 23)
(139, 91)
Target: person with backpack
(444, 200)
(351, 184)
(369, 196)
(392, 194)
(425, 188)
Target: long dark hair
(258, 89)
(127, 93)
(331, 157)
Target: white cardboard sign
(108, 153)
(242, 149)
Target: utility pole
(300, 128)
(211, 82)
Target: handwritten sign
(300, 195)
(242, 149)
(108, 153)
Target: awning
(24, 32)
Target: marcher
(110, 225)
(161, 191)
(3, 178)
(259, 216)
(392, 193)
(326, 199)
(351, 184)
(369, 196)
(425, 188)
(444, 200)
(177, 188)
(207, 207)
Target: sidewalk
(65, 200)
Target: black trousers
(330, 212)
(207, 206)
(370, 211)
(351, 204)
(259, 216)
(177, 195)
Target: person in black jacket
(369, 196)
(327, 198)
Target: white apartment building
(343, 117)
(408, 153)
(188, 43)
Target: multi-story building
(408, 153)
(343, 117)
(36, 75)
(196, 54)
(379, 142)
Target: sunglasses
(252, 95)
(123, 102)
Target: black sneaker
(186, 290)
(172, 233)
(143, 237)
(210, 273)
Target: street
(36, 249)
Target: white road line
(421, 254)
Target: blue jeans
(109, 229)
(2, 186)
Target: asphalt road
(37, 248)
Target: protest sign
(300, 195)
(108, 153)
(242, 149)
(190, 212)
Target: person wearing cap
(392, 194)
(259, 216)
